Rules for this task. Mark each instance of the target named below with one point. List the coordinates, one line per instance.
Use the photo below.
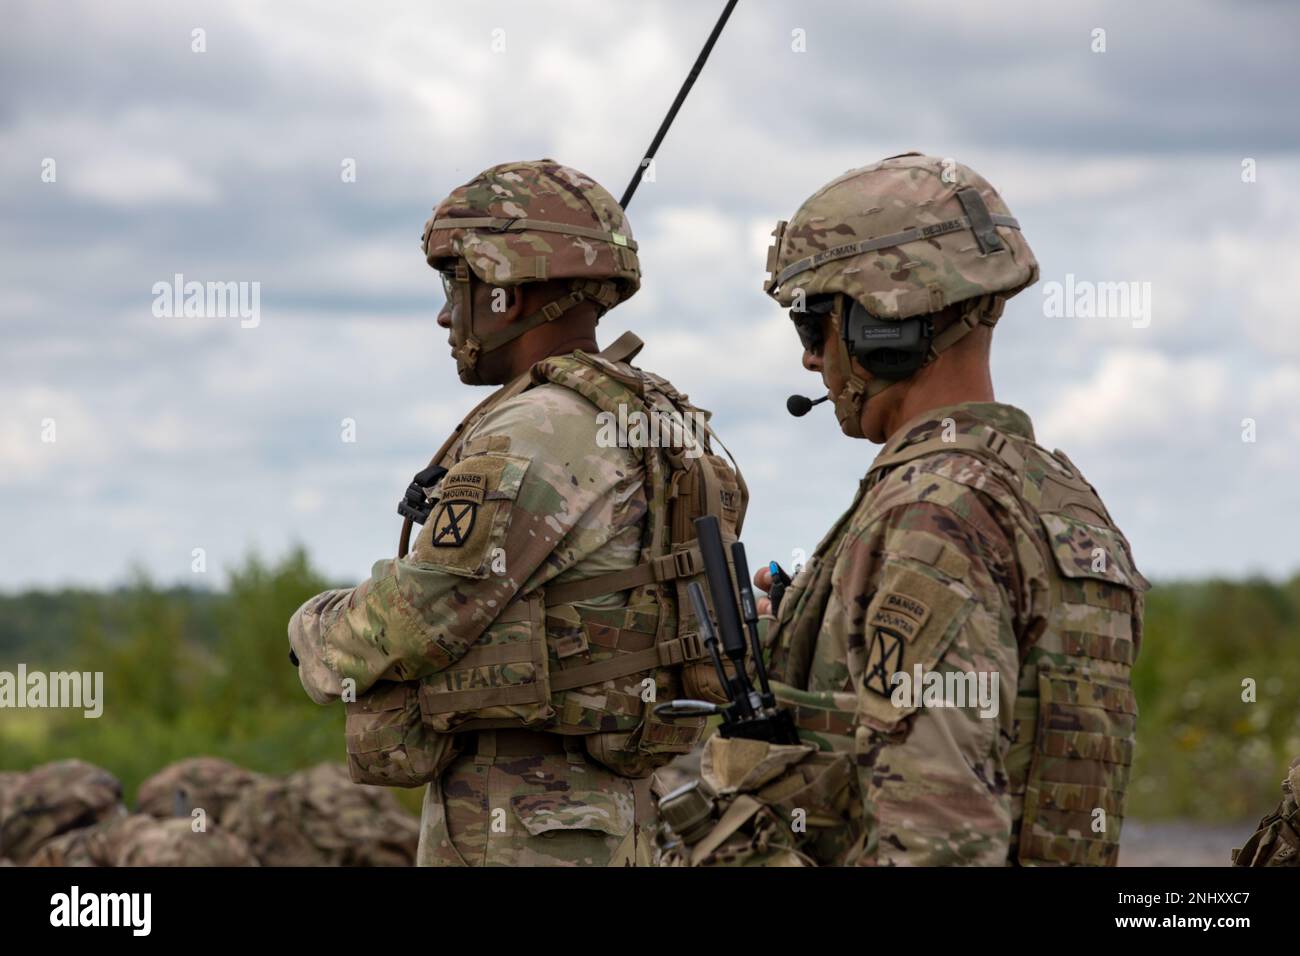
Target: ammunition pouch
(1076, 772)
(763, 804)
(503, 680)
(388, 742)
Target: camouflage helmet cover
(533, 221)
(906, 236)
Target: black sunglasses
(810, 322)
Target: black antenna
(677, 104)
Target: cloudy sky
(1171, 159)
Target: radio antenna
(677, 104)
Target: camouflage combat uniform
(975, 563)
(970, 554)
(971, 560)
(469, 653)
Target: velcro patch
(483, 444)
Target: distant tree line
(189, 671)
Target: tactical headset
(889, 349)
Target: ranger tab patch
(902, 613)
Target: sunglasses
(810, 322)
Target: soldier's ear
(512, 302)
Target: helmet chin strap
(468, 348)
(852, 397)
(465, 347)
(983, 310)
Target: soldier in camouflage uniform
(510, 661)
(970, 555)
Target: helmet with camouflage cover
(319, 817)
(53, 799)
(904, 238)
(207, 783)
(529, 222)
(140, 840)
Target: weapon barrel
(709, 534)
(720, 589)
(750, 609)
(709, 639)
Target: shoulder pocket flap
(1084, 550)
(472, 514)
(910, 622)
(576, 810)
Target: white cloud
(46, 431)
(128, 179)
(1137, 395)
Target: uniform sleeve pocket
(1074, 801)
(1084, 550)
(469, 523)
(910, 622)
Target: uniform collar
(1006, 419)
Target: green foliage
(194, 672)
(185, 673)
(1203, 751)
(46, 625)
